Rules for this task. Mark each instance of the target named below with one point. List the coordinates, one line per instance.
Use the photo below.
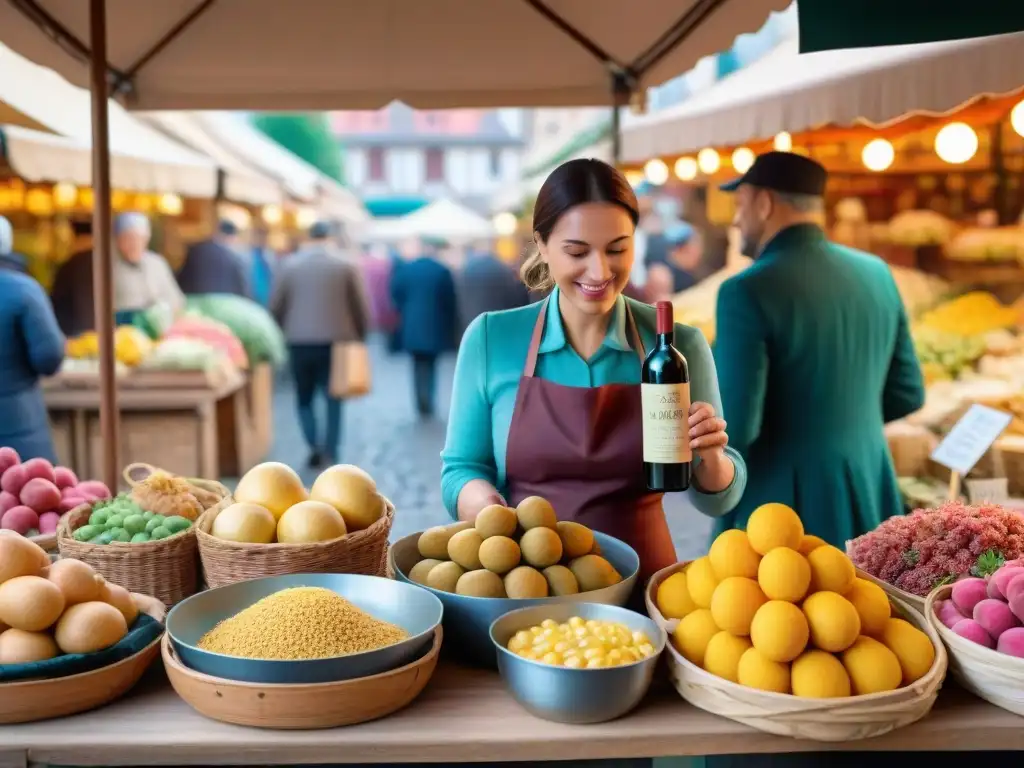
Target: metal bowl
(407, 606)
(576, 696)
(467, 620)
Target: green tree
(307, 135)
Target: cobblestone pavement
(383, 435)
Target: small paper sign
(970, 437)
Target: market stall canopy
(353, 54)
(242, 183)
(787, 91)
(442, 219)
(301, 181)
(142, 159)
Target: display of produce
(214, 333)
(123, 519)
(979, 244)
(164, 494)
(970, 314)
(773, 609)
(131, 346)
(919, 290)
(988, 611)
(251, 323)
(300, 623)
(34, 494)
(582, 644)
(272, 505)
(184, 354)
(945, 355)
(930, 547)
(49, 610)
(919, 228)
(518, 553)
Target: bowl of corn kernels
(577, 662)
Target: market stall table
(173, 428)
(464, 716)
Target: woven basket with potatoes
(520, 553)
(776, 630)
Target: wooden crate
(171, 440)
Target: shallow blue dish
(406, 605)
(467, 620)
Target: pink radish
(48, 522)
(1011, 642)
(8, 458)
(994, 616)
(8, 501)
(967, 593)
(94, 489)
(1001, 580)
(70, 502)
(947, 613)
(64, 478)
(40, 494)
(40, 468)
(1017, 606)
(971, 630)
(1015, 587)
(20, 519)
(14, 479)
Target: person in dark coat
(215, 265)
(424, 294)
(680, 267)
(487, 284)
(31, 346)
(814, 357)
(71, 294)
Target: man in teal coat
(814, 356)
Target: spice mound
(300, 623)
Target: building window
(495, 163)
(435, 164)
(376, 163)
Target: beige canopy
(141, 158)
(786, 91)
(242, 183)
(332, 54)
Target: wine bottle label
(666, 410)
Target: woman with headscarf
(31, 346)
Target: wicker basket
(167, 569)
(995, 677)
(31, 700)
(210, 492)
(227, 562)
(848, 719)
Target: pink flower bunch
(919, 551)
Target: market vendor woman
(546, 399)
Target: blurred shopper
(71, 293)
(31, 346)
(423, 290)
(263, 261)
(216, 265)
(9, 259)
(814, 357)
(319, 301)
(680, 266)
(487, 284)
(142, 279)
(377, 264)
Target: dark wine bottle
(665, 392)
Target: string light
(877, 155)
(272, 214)
(1017, 118)
(656, 172)
(170, 205)
(65, 194)
(505, 224)
(305, 218)
(783, 142)
(708, 161)
(956, 143)
(686, 169)
(742, 159)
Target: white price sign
(970, 437)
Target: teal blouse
(490, 364)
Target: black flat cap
(784, 172)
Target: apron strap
(538, 333)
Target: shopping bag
(350, 370)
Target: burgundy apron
(581, 448)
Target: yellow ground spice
(300, 623)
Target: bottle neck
(666, 339)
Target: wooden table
(463, 716)
(174, 429)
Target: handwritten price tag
(970, 437)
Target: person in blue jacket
(31, 346)
(423, 291)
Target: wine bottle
(665, 396)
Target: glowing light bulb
(783, 142)
(742, 159)
(956, 143)
(505, 224)
(272, 214)
(1017, 118)
(686, 169)
(708, 161)
(877, 155)
(656, 172)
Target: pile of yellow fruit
(582, 644)
(774, 609)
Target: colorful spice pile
(920, 551)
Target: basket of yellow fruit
(775, 629)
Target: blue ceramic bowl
(467, 620)
(576, 696)
(405, 605)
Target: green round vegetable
(160, 532)
(177, 524)
(135, 524)
(155, 522)
(147, 515)
(115, 521)
(99, 517)
(140, 538)
(87, 532)
(103, 538)
(123, 535)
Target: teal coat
(814, 356)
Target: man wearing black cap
(814, 356)
(215, 265)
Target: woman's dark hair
(573, 183)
